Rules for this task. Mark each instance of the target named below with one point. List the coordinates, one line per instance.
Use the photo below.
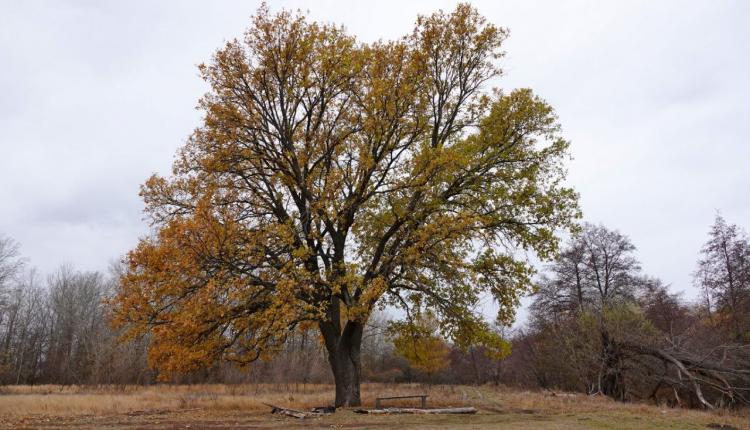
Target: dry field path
(240, 407)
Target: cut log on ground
(468, 410)
(300, 414)
(288, 412)
(553, 393)
(324, 409)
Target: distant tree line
(55, 329)
(598, 325)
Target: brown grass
(198, 403)
(109, 399)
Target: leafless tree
(10, 265)
(724, 274)
(597, 269)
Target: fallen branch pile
(727, 382)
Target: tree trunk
(346, 371)
(611, 381)
(343, 348)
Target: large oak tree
(330, 176)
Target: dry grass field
(241, 407)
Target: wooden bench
(421, 396)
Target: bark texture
(343, 348)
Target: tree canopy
(330, 176)
(597, 269)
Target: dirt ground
(220, 407)
(349, 420)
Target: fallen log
(553, 393)
(324, 409)
(291, 412)
(468, 410)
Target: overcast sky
(655, 96)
